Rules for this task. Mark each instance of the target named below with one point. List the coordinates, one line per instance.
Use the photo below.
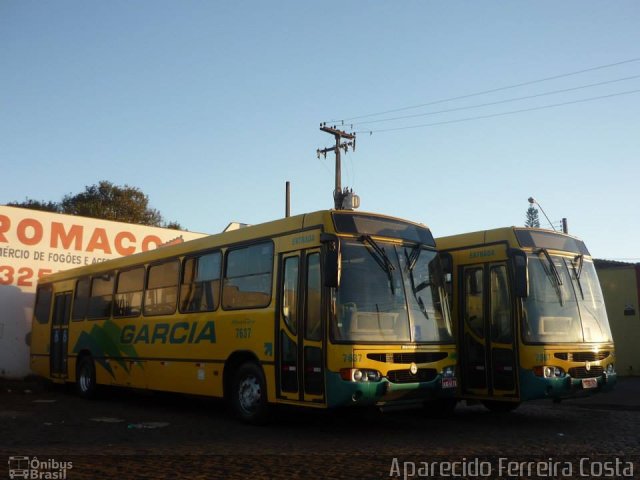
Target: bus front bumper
(384, 393)
(534, 387)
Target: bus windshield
(565, 303)
(390, 293)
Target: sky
(209, 107)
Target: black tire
(86, 378)
(248, 396)
(500, 407)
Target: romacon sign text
(33, 244)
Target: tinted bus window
(81, 299)
(313, 326)
(129, 293)
(161, 295)
(551, 240)
(43, 304)
(385, 227)
(101, 297)
(200, 286)
(290, 294)
(247, 281)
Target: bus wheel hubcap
(250, 394)
(85, 379)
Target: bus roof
(518, 237)
(321, 218)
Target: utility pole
(338, 193)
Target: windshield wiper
(578, 271)
(580, 260)
(554, 272)
(412, 257)
(552, 266)
(381, 258)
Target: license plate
(449, 383)
(589, 383)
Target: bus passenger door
(60, 334)
(312, 328)
(501, 334)
(300, 354)
(487, 341)
(472, 331)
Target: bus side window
(248, 277)
(101, 297)
(161, 295)
(200, 285)
(501, 330)
(43, 304)
(290, 294)
(473, 300)
(81, 299)
(313, 326)
(128, 301)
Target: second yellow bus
(530, 318)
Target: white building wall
(34, 243)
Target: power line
(512, 112)
(484, 92)
(498, 102)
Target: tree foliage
(106, 201)
(532, 219)
(37, 205)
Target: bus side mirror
(447, 263)
(521, 280)
(332, 260)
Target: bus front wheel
(249, 394)
(86, 378)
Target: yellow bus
(529, 317)
(326, 309)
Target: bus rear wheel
(500, 407)
(249, 394)
(86, 378)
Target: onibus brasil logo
(33, 468)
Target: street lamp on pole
(532, 201)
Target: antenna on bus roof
(344, 199)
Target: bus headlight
(549, 372)
(360, 375)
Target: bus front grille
(582, 356)
(582, 372)
(405, 376)
(407, 357)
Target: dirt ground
(126, 434)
